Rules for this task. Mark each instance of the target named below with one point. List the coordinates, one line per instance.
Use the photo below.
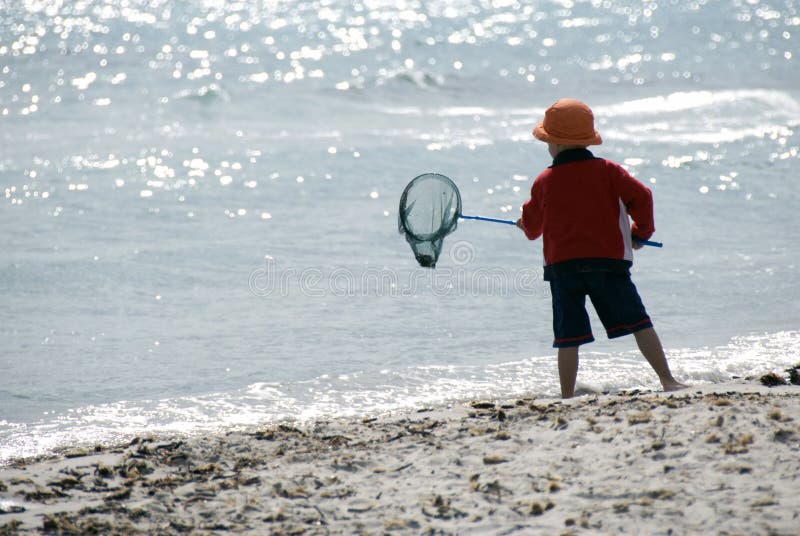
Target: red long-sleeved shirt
(580, 205)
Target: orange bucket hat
(568, 122)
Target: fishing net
(429, 211)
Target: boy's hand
(519, 224)
(635, 244)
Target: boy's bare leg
(568, 370)
(650, 346)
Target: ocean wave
(706, 117)
(205, 94)
(417, 78)
(688, 134)
(445, 111)
(778, 101)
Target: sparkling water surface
(200, 200)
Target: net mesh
(429, 210)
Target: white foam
(777, 101)
(379, 392)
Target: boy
(580, 205)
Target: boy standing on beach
(580, 205)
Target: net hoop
(404, 209)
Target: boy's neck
(555, 148)
(568, 147)
(576, 154)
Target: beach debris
(270, 434)
(252, 480)
(303, 493)
(794, 374)
(424, 427)
(205, 469)
(640, 417)
(764, 501)
(169, 445)
(77, 453)
(536, 508)
(296, 492)
(620, 508)
(784, 435)
(346, 462)
(138, 440)
(119, 494)
(542, 408)
(103, 471)
(277, 516)
(777, 415)
(738, 444)
(337, 493)
(10, 507)
(772, 380)
(61, 523)
(478, 431)
(168, 482)
(244, 462)
(494, 488)
(134, 468)
(337, 440)
(180, 526)
(669, 402)
(179, 458)
(660, 494)
(442, 509)
(400, 468)
(593, 426)
(360, 507)
(741, 469)
(400, 524)
(12, 527)
(65, 483)
(560, 423)
(42, 494)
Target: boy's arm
(531, 220)
(638, 201)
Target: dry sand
(716, 459)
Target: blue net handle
(511, 222)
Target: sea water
(199, 203)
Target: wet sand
(721, 459)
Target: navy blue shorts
(614, 297)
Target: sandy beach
(714, 459)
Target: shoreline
(712, 458)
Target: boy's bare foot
(674, 385)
